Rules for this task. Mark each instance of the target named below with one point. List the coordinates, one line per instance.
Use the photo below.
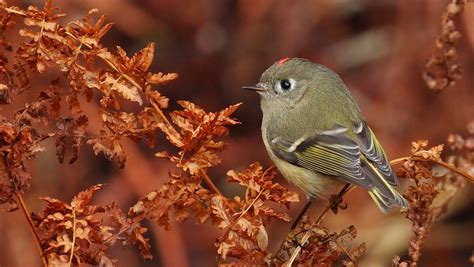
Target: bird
(316, 134)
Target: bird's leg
(336, 200)
(293, 236)
(302, 212)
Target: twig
(323, 213)
(214, 188)
(73, 235)
(32, 227)
(454, 169)
(328, 207)
(14, 11)
(126, 228)
(349, 255)
(439, 162)
(160, 113)
(108, 62)
(347, 188)
(124, 75)
(302, 212)
(4, 173)
(247, 208)
(398, 161)
(241, 215)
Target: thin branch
(162, 115)
(323, 214)
(32, 227)
(247, 208)
(4, 173)
(318, 220)
(398, 160)
(15, 11)
(349, 255)
(439, 162)
(214, 188)
(302, 213)
(124, 75)
(126, 228)
(250, 205)
(242, 214)
(454, 169)
(73, 235)
(206, 178)
(328, 207)
(108, 62)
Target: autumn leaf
(111, 148)
(120, 85)
(160, 78)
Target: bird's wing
(360, 161)
(373, 151)
(330, 153)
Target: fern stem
(25, 211)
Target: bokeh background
(379, 48)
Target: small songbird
(316, 135)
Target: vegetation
(81, 70)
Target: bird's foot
(296, 243)
(337, 203)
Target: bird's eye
(285, 85)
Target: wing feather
(373, 151)
(331, 154)
(360, 161)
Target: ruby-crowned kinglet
(316, 135)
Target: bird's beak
(258, 88)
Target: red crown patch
(282, 61)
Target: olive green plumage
(316, 135)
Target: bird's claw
(337, 203)
(296, 243)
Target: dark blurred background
(379, 48)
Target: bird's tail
(383, 194)
(385, 203)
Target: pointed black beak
(257, 88)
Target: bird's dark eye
(285, 84)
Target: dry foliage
(323, 248)
(80, 232)
(422, 195)
(441, 70)
(463, 150)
